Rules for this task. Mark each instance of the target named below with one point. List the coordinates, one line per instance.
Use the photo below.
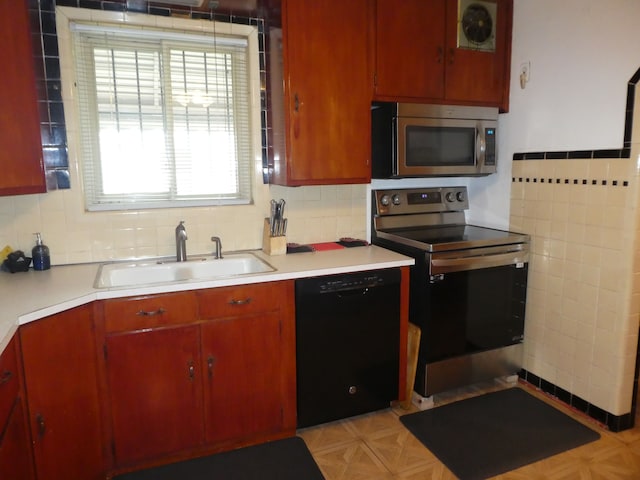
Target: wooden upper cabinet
(418, 58)
(410, 48)
(21, 160)
(474, 75)
(326, 76)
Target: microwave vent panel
(477, 25)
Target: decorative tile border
(570, 181)
(45, 42)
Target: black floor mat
(483, 436)
(287, 459)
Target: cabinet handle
(143, 313)
(452, 55)
(6, 376)
(210, 363)
(296, 103)
(192, 371)
(440, 56)
(42, 428)
(246, 301)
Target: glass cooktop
(447, 237)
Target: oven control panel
(420, 200)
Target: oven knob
(396, 199)
(460, 196)
(450, 196)
(384, 200)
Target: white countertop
(29, 296)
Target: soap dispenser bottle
(40, 254)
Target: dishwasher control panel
(352, 281)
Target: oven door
(473, 303)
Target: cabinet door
(59, 357)
(246, 379)
(15, 458)
(327, 81)
(410, 49)
(155, 392)
(477, 76)
(21, 154)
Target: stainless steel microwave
(416, 140)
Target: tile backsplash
(316, 214)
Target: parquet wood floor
(376, 446)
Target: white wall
(582, 54)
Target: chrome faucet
(218, 252)
(181, 243)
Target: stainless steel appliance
(415, 140)
(468, 285)
(347, 344)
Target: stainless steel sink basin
(203, 268)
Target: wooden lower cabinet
(246, 377)
(15, 451)
(15, 454)
(221, 376)
(154, 392)
(60, 371)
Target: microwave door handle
(481, 146)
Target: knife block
(272, 245)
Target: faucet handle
(218, 243)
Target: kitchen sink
(124, 274)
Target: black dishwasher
(347, 344)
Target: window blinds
(164, 116)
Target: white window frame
(95, 200)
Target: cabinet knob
(440, 56)
(192, 370)
(211, 361)
(5, 377)
(42, 428)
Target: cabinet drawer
(242, 300)
(149, 311)
(8, 382)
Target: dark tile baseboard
(615, 423)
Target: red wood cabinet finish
(246, 377)
(154, 392)
(16, 460)
(60, 367)
(15, 454)
(410, 48)
(327, 93)
(186, 381)
(21, 160)
(417, 58)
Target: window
(164, 117)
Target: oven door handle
(460, 264)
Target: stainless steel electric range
(468, 285)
